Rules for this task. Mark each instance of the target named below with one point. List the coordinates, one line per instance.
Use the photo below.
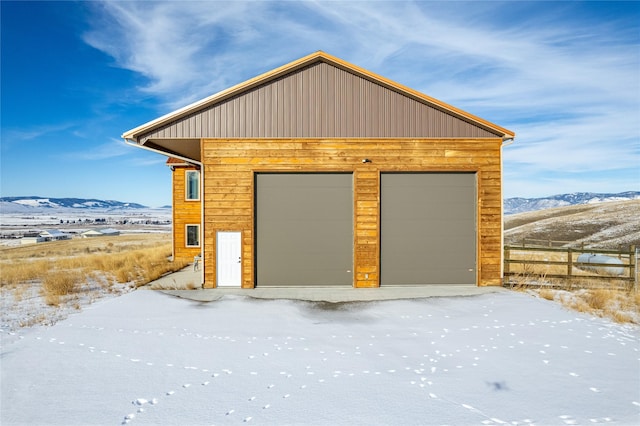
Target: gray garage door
(304, 229)
(428, 228)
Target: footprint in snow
(470, 408)
(568, 420)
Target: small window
(193, 236)
(192, 185)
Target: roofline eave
(168, 153)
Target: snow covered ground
(148, 358)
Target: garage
(304, 229)
(321, 173)
(428, 228)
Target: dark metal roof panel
(320, 100)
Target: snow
(147, 358)
(40, 202)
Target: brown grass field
(65, 268)
(61, 273)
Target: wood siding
(320, 101)
(229, 166)
(184, 213)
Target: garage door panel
(428, 228)
(304, 225)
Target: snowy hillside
(521, 205)
(34, 203)
(604, 225)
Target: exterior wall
(184, 213)
(229, 166)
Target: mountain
(511, 205)
(34, 202)
(521, 205)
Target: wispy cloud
(11, 136)
(563, 77)
(111, 149)
(186, 50)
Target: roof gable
(316, 96)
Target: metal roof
(317, 96)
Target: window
(192, 185)
(193, 236)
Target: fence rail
(541, 264)
(537, 242)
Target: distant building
(107, 232)
(54, 235)
(31, 239)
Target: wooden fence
(552, 265)
(533, 242)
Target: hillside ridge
(75, 203)
(608, 225)
(521, 205)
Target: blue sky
(565, 76)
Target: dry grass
(61, 283)
(621, 306)
(63, 267)
(20, 271)
(173, 286)
(547, 294)
(618, 305)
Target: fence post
(633, 266)
(569, 263)
(507, 264)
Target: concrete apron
(334, 295)
(172, 283)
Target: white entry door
(229, 258)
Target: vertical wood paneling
(184, 213)
(320, 101)
(230, 164)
